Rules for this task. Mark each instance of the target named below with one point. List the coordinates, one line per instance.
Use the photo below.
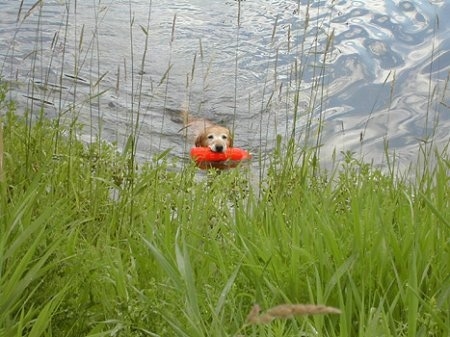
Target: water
(383, 80)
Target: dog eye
(210, 136)
(224, 137)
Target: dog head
(217, 138)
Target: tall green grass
(82, 254)
(93, 243)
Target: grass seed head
(285, 311)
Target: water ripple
(382, 67)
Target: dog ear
(230, 140)
(200, 140)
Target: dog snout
(218, 148)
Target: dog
(207, 134)
(204, 133)
(216, 137)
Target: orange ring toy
(205, 158)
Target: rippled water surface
(348, 75)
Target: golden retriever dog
(217, 138)
(208, 134)
(204, 133)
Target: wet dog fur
(207, 134)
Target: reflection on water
(362, 72)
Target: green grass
(90, 246)
(94, 244)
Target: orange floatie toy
(205, 158)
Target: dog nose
(219, 148)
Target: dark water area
(347, 75)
